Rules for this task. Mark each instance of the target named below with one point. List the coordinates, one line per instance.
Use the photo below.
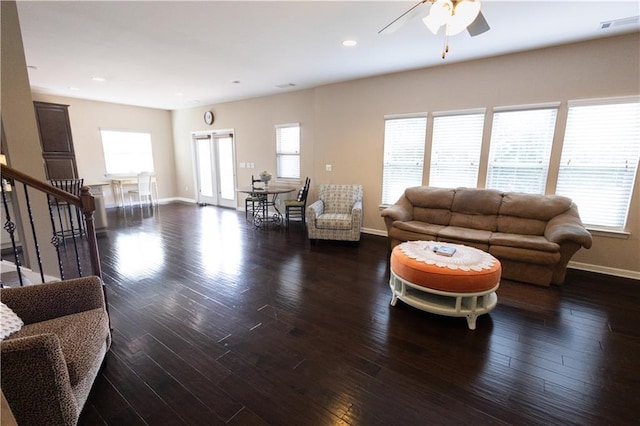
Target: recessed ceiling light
(236, 81)
(285, 85)
(74, 89)
(32, 67)
(178, 93)
(99, 79)
(349, 43)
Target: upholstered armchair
(337, 214)
(52, 357)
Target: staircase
(49, 233)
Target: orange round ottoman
(462, 284)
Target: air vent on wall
(632, 20)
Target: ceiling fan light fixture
(464, 13)
(439, 15)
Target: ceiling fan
(454, 15)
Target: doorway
(215, 168)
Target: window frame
(280, 154)
(386, 197)
(623, 223)
(522, 167)
(148, 165)
(478, 149)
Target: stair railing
(55, 198)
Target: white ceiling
(182, 54)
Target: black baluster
(33, 231)
(55, 240)
(10, 227)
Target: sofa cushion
(430, 197)
(533, 206)
(484, 222)
(82, 338)
(334, 221)
(464, 234)
(477, 201)
(533, 242)
(419, 227)
(525, 255)
(430, 215)
(519, 225)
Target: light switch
(328, 167)
(243, 165)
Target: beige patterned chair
(337, 214)
(49, 364)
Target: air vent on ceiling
(285, 86)
(632, 20)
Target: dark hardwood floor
(216, 322)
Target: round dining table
(263, 217)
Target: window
(404, 140)
(600, 160)
(127, 152)
(288, 151)
(520, 149)
(455, 152)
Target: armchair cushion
(334, 221)
(77, 338)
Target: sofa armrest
(402, 210)
(356, 215)
(35, 381)
(568, 227)
(42, 302)
(315, 210)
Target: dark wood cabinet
(56, 140)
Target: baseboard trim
(623, 273)
(374, 232)
(160, 201)
(177, 199)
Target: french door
(215, 168)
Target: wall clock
(208, 117)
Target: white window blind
(288, 151)
(455, 152)
(127, 152)
(520, 148)
(600, 160)
(404, 140)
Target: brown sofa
(50, 364)
(533, 236)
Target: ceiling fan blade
(403, 19)
(478, 26)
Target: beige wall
(347, 120)
(253, 123)
(21, 142)
(88, 117)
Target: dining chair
(143, 189)
(68, 218)
(295, 208)
(253, 199)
